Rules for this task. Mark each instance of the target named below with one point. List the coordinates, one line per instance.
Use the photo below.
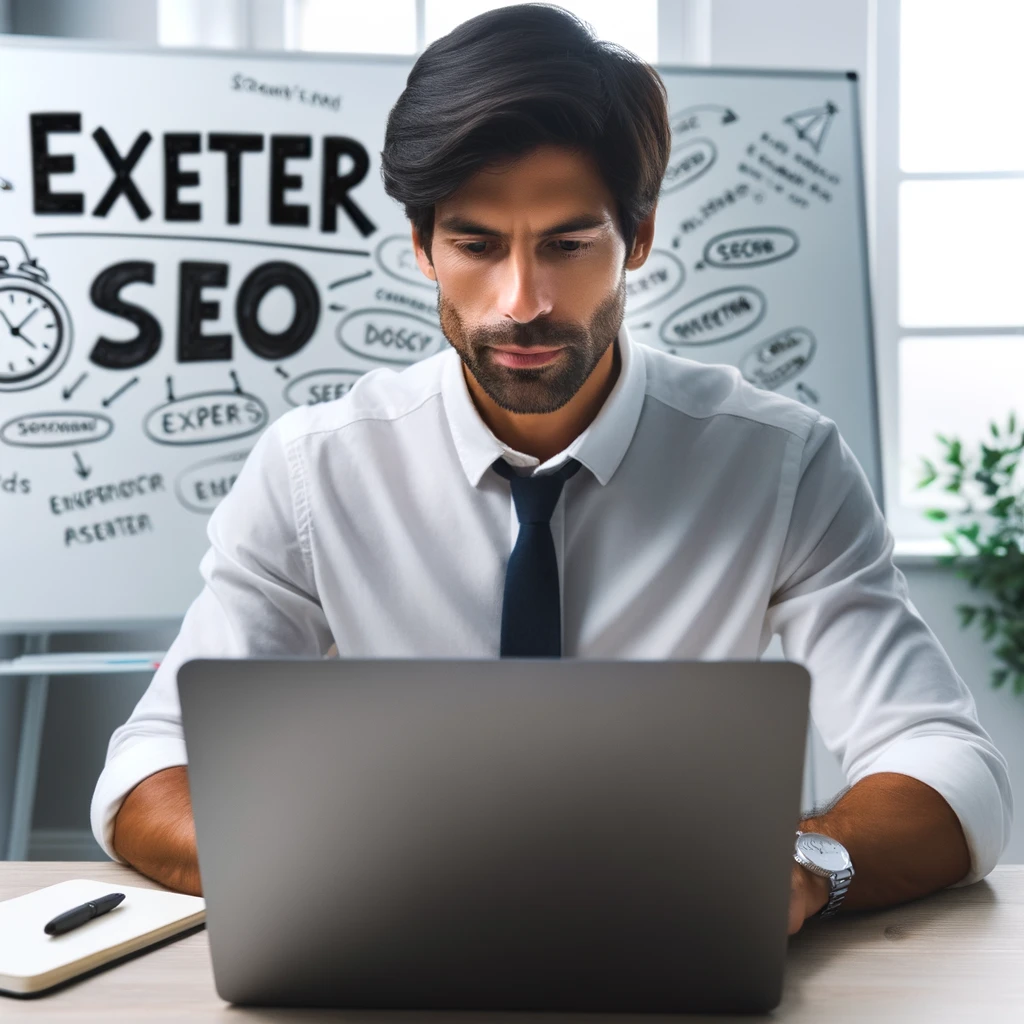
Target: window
(633, 25)
(949, 218)
(406, 26)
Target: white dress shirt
(708, 515)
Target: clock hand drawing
(16, 332)
(18, 329)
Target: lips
(525, 358)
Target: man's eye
(572, 246)
(563, 246)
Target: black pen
(80, 915)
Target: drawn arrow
(805, 390)
(349, 280)
(80, 468)
(5, 185)
(68, 392)
(119, 392)
(283, 373)
(234, 380)
(728, 115)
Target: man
(668, 509)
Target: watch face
(823, 852)
(33, 344)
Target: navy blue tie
(531, 616)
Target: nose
(524, 294)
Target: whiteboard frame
(875, 474)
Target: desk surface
(952, 957)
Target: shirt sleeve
(259, 600)
(884, 695)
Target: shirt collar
(600, 447)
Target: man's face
(530, 268)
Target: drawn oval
(390, 335)
(56, 429)
(319, 386)
(715, 317)
(750, 247)
(688, 162)
(206, 418)
(778, 359)
(658, 279)
(396, 257)
(200, 488)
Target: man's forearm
(905, 841)
(154, 831)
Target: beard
(541, 389)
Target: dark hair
(507, 81)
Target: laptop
(527, 835)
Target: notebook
(32, 961)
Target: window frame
(674, 19)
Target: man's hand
(808, 894)
(154, 831)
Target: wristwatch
(822, 855)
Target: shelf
(90, 663)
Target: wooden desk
(956, 956)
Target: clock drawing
(35, 328)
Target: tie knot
(535, 497)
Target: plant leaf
(937, 514)
(967, 613)
(1001, 509)
(970, 532)
(990, 457)
(999, 677)
(930, 473)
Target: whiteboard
(194, 242)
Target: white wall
(790, 34)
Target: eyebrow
(460, 226)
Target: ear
(422, 259)
(642, 243)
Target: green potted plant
(987, 538)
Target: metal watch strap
(838, 882)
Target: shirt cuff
(958, 773)
(122, 774)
